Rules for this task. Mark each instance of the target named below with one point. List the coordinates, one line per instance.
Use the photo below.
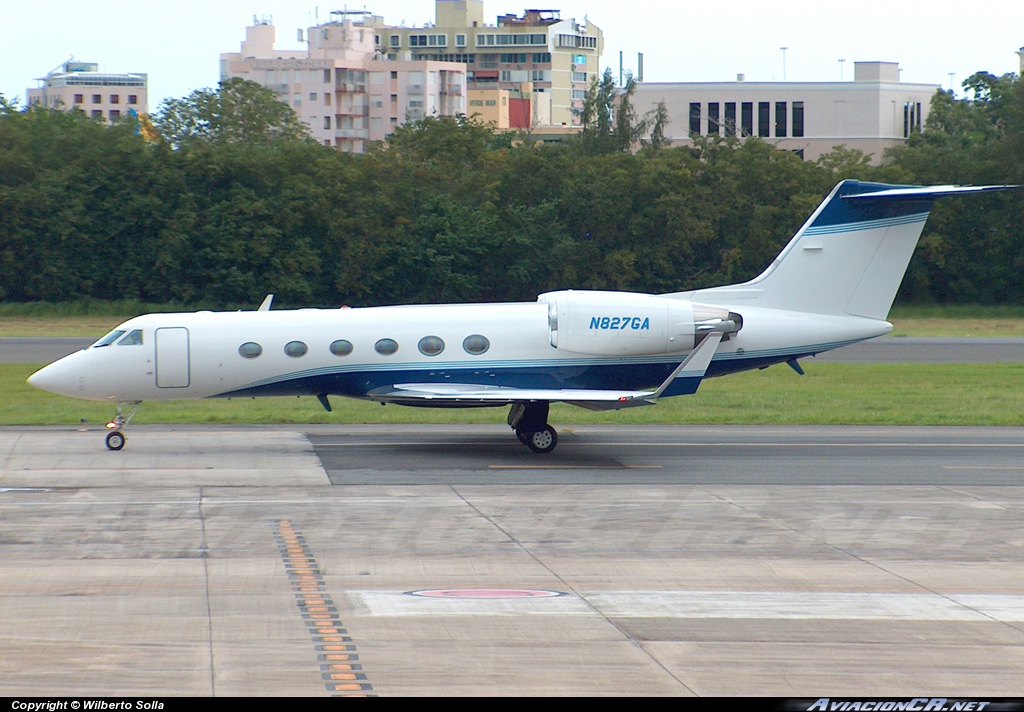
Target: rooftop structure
(80, 85)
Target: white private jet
(832, 285)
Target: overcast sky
(177, 44)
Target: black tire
(115, 440)
(543, 441)
(524, 437)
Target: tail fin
(851, 254)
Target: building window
(695, 118)
(579, 77)
(115, 98)
(327, 122)
(79, 98)
(97, 99)
(541, 58)
(764, 111)
(115, 114)
(513, 58)
(713, 119)
(327, 99)
(96, 114)
(437, 40)
(133, 99)
(918, 118)
(394, 75)
(730, 119)
(327, 76)
(460, 40)
(396, 40)
(748, 119)
(537, 75)
(417, 40)
(798, 120)
(579, 94)
(780, 119)
(506, 75)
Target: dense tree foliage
(224, 205)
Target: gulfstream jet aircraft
(832, 285)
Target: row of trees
(224, 198)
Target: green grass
(866, 394)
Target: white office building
(872, 113)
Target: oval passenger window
(386, 347)
(341, 347)
(250, 349)
(476, 344)
(431, 345)
(295, 349)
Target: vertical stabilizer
(849, 257)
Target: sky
(178, 43)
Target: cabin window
(476, 344)
(250, 349)
(431, 345)
(134, 338)
(295, 349)
(109, 338)
(386, 347)
(341, 347)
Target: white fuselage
(197, 355)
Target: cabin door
(172, 358)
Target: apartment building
(342, 87)
(80, 85)
(556, 57)
(873, 112)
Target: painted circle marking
(485, 593)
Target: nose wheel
(115, 440)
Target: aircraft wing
(467, 394)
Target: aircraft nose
(55, 378)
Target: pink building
(80, 85)
(342, 87)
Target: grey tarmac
(682, 560)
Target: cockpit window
(109, 338)
(134, 338)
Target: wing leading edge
(683, 380)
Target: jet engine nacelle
(629, 324)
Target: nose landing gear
(115, 438)
(529, 420)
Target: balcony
(352, 133)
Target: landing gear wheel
(543, 441)
(115, 440)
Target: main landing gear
(115, 438)
(530, 421)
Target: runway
(447, 560)
(885, 350)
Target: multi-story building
(342, 87)
(80, 85)
(873, 112)
(557, 57)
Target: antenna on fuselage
(265, 306)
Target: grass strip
(830, 394)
